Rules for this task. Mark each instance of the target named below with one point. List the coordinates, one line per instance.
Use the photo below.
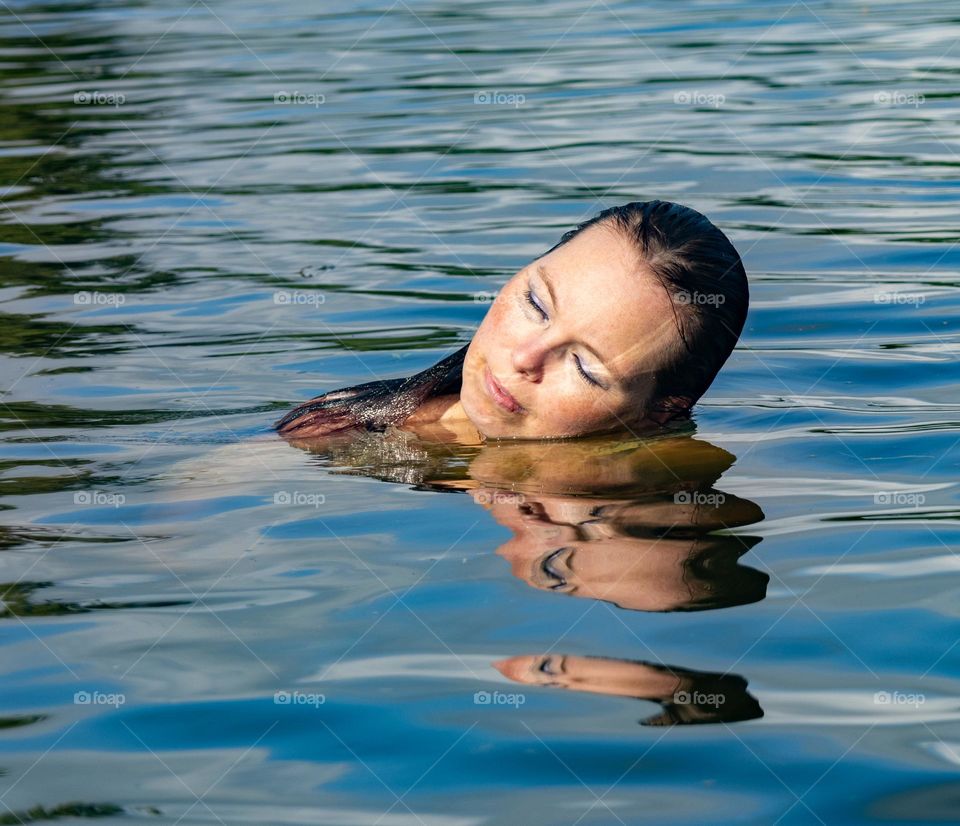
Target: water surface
(214, 210)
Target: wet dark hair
(711, 698)
(717, 571)
(693, 260)
(376, 404)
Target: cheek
(493, 334)
(576, 409)
(491, 342)
(499, 318)
(571, 411)
(563, 405)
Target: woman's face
(571, 344)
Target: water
(203, 624)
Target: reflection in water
(643, 555)
(21, 720)
(687, 697)
(39, 814)
(629, 522)
(16, 601)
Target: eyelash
(586, 376)
(528, 294)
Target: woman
(622, 324)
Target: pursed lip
(499, 394)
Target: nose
(529, 355)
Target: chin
(477, 406)
(490, 422)
(484, 422)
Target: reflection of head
(653, 575)
(599, 465)
(603, 466)
(717, 579)
(686, 696)
(700, 702)
(647, 554)
(629, 522)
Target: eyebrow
(542, 271)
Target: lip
(498, 393)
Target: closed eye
(587, 377)
(530, 297)
(532, 301)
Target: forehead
(609, 299)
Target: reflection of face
(596, 674)
(641, 575)
(686, 696)
(547, 552)
(578, 353)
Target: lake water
(213, 210)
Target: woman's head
(625, 321)
(628, 319)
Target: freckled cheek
(492, 344)
(570, 413)
(495, 331)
